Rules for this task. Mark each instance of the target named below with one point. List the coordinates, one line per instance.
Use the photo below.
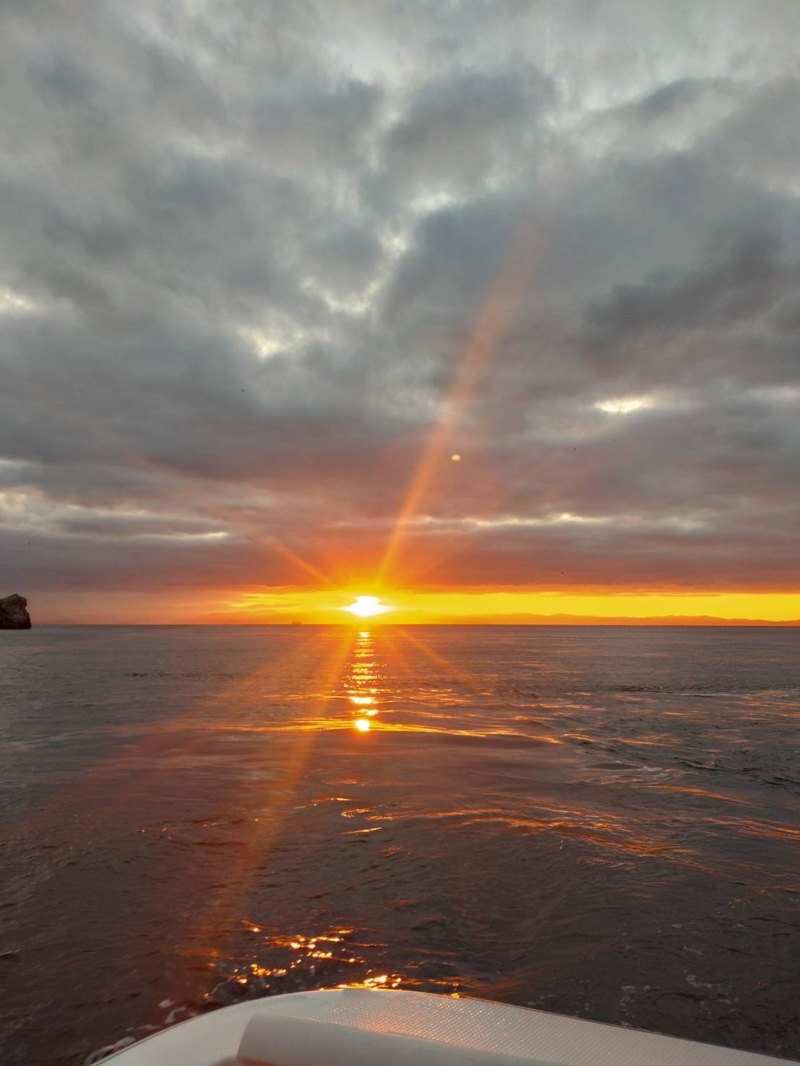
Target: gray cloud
(249, 250)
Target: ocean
(602, 822)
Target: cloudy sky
(267, 267)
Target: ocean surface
(602, 822)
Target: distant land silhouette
(659, 620)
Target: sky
(487, 308)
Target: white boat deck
(366, 1027)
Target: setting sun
(366, 607)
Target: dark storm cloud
(247, 248)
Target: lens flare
(366, 607)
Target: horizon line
(654, 621)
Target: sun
(366, 607)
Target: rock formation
(13, 614)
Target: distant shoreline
(648, 623)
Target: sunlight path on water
(266, 827)
(606, 824)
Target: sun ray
(489, 328)
(468, 680)
(211, 508)
(292, 557)
(126, 787)
(213, 926)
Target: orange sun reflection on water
(363, 682)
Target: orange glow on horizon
(322, 606)
(503, 605)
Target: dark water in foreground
(603, 822)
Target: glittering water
(603, 822)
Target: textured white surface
(414, 1024)
(277, 1040)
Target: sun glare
(366, 607)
